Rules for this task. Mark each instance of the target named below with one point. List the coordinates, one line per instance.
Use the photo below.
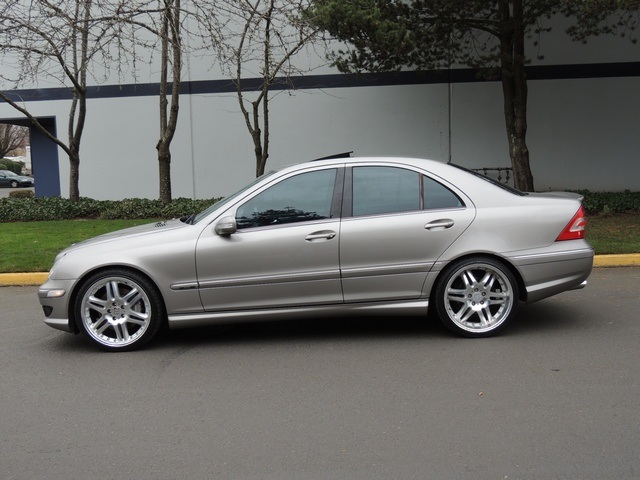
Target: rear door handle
(440, 224)
(322, 235)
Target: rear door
(397, 223)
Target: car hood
(21, 178)
(148, 229)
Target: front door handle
(441, 224)
(322, 235)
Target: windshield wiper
(188, 219)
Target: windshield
(196, 218)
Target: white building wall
(582, 132)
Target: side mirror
(226, 226)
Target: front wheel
(119, 310)
(14, 184)
(476, 297)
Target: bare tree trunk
(261, 161)
(74, 175)
(170, 39)
(76, 127)
(61, 41)
(267, 24)
(514, 89)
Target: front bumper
(54, 298)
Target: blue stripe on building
(310, 82)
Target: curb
(22, 279)
(629, 260)
(38, 278)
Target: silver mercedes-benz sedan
(373, 236)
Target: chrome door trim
(267, 279)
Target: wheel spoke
(97, 304)
(499, 298)
(135, 316)
(468, 278)
(465, 313)
(488, 280)
(125, 332)
(112, 289)
(133, 297)
(456, 295)
(101, 324)
(138, 321)
(485, 316)
(120, 335)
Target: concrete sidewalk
(38, 278)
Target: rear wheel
(119, 310)
(476, 297)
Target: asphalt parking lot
(555, 396)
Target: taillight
(575, 229)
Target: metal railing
(502, 174)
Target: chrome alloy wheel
(477, 297)
(116, 311)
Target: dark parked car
(13, 180)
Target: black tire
(14, 184)
(119, 310)
(476, 297)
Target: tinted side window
(301, 198)
(438, 196)
(378, 190)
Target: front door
(284, 253)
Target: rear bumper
(547, 274)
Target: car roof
(434, 166)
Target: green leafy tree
(604, 17)
(387, 35)
(428, 34)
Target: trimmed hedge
(21, 194)
(56, 208)
(610, 202)
(15, 167)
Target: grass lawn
(32, 246)
(618, 233)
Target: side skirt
(409, 308)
